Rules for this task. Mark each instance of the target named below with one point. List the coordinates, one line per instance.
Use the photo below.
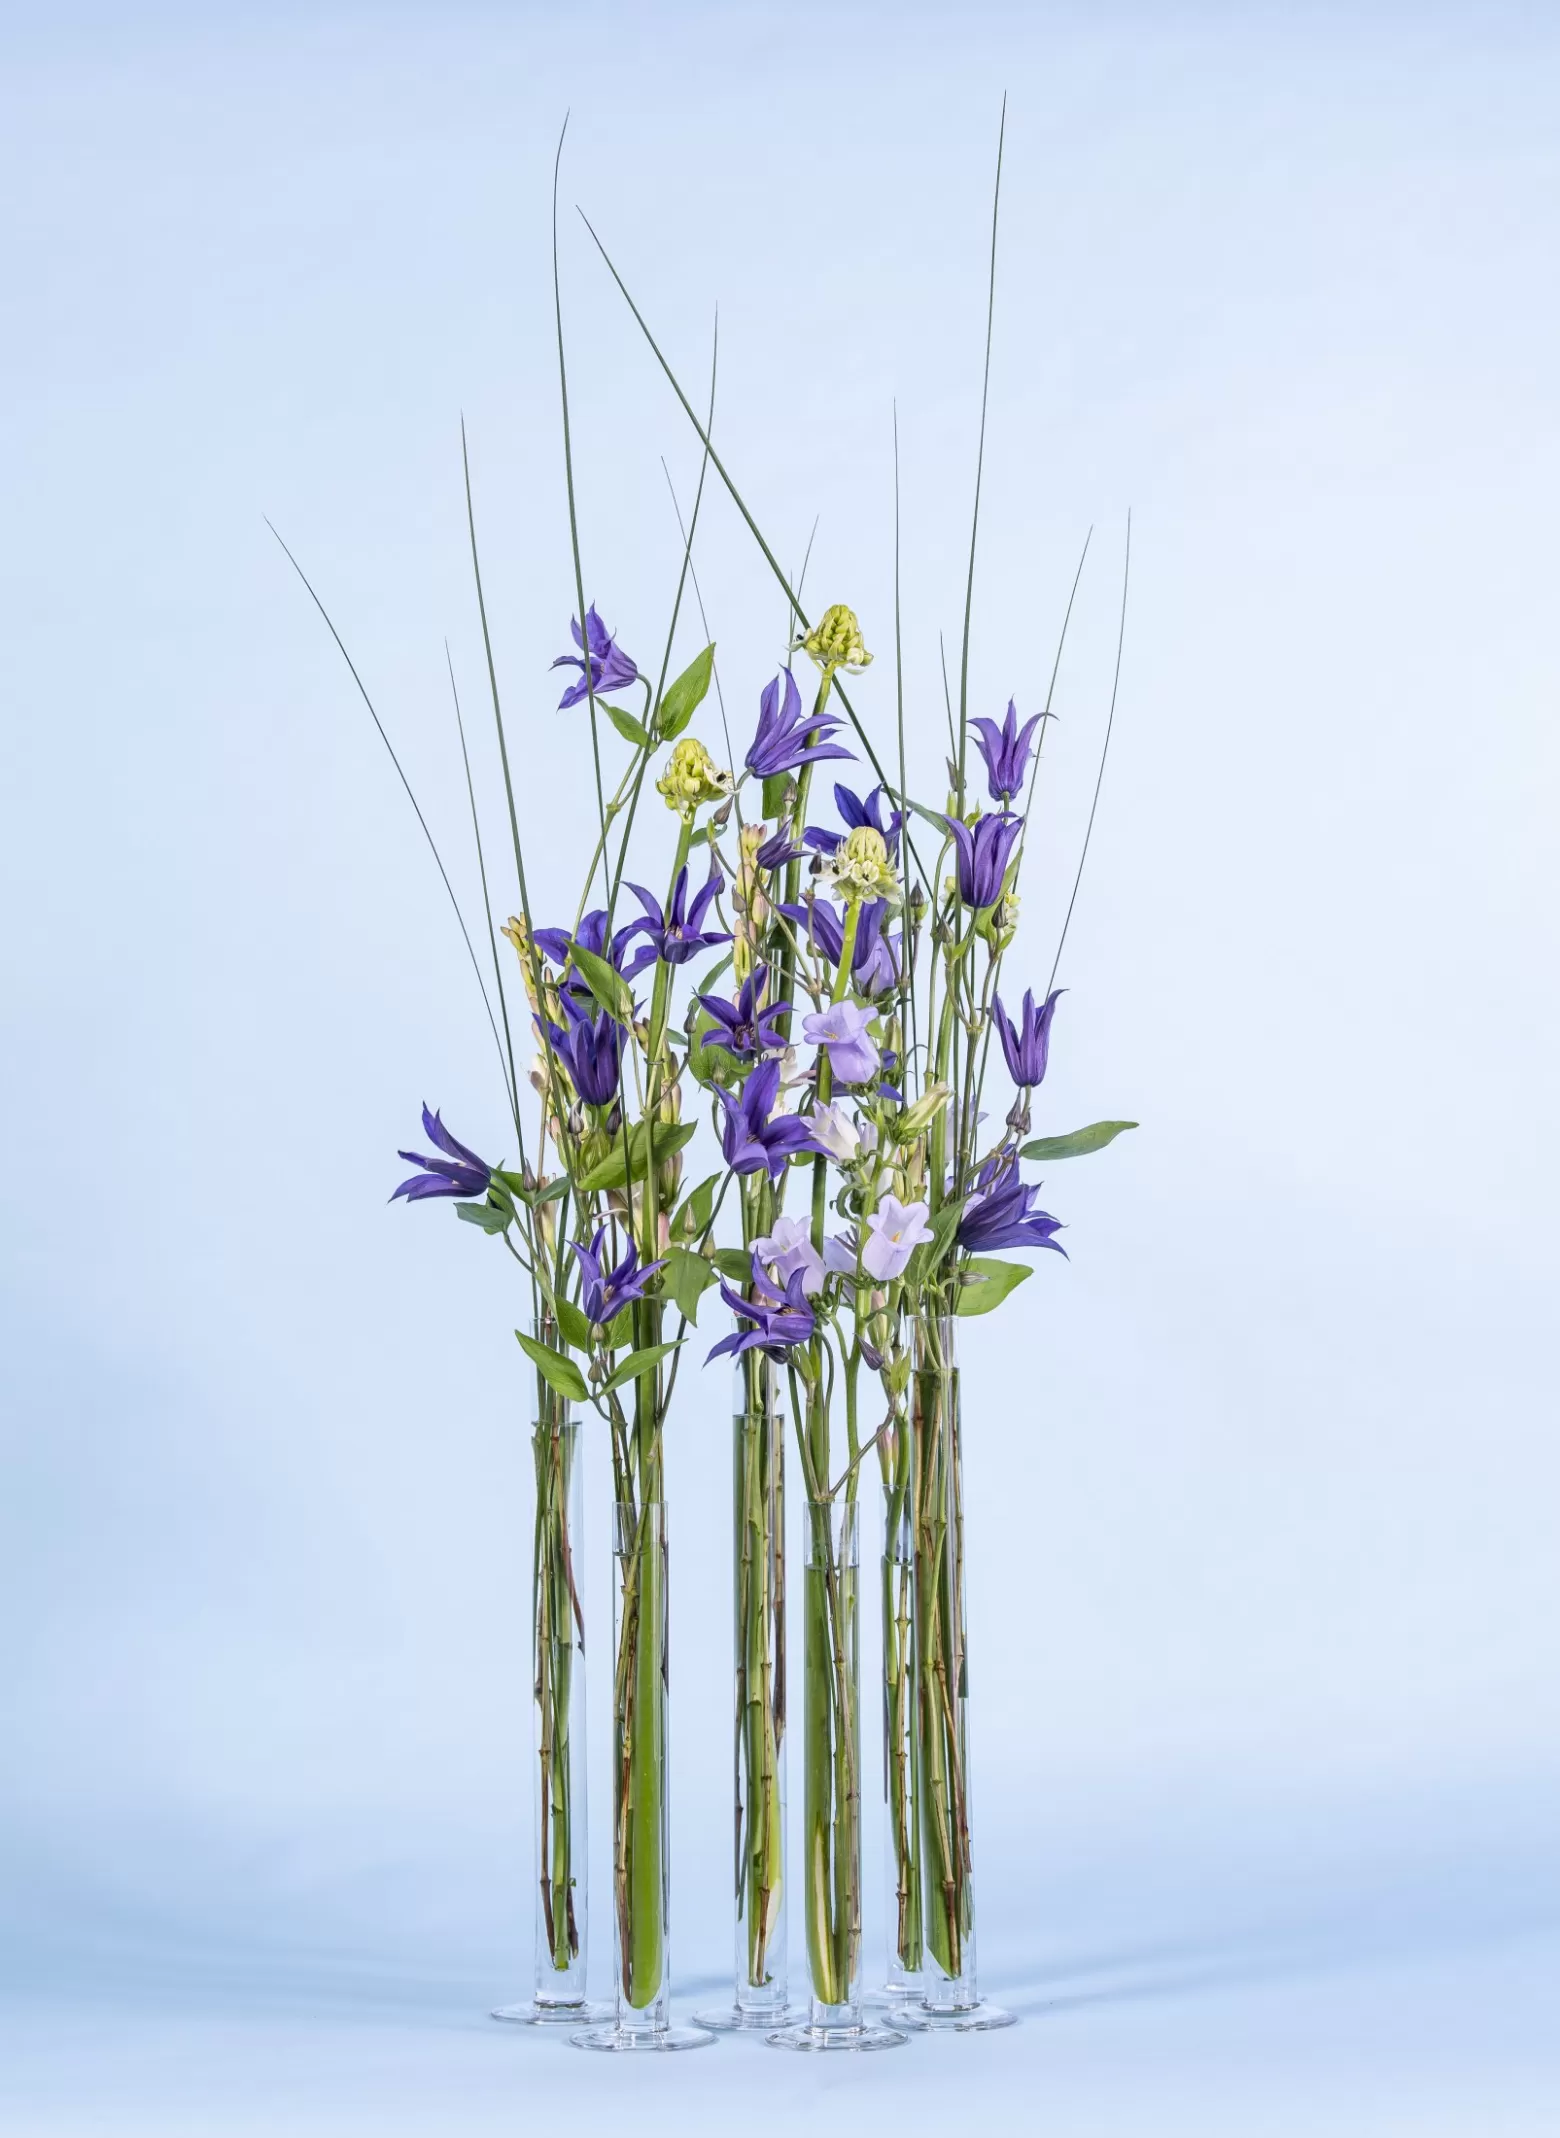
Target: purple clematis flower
(843, 1029)
(982, 856)
(675, 933)
(590, 1049)
(1003, 1213)
(748, 1137)
(744, 1028)
(602, 1294)
(1006, 751)
(854, 812)
(776, 851)
(781, 1319)
(459, 1172)
(785, 741)
(609, 666)
(874, 963)
(556, 943)
(1028, 1043)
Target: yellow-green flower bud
(918, 1118)
(691, 777)
(515, 930)
(835, 642)
(860, 868)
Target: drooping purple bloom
(459, 1172)
(556, 943)
(609, 666)
(1003, 1213)
(982, 856)
(1026, 1044)
(781, 1319)
(777, 850)
(744, 1028)
(1006, 751)
(590, 1048)
(675, 933)
(782, 743)
(843, 1029)
(874, 963)
(854, 813)
(748, 1137)
(602, 1294)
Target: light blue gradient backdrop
(1263, 1480)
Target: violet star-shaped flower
(603, 1293)
(786, 739)
(781, 1318)
(981, 856)
(1005, 1214)
(676, 932)
(556, 943)
(590, 1048)
(843, 1029)
(1006, 751)
(749, 1138)
(874, 963)
(1026, 1044)
(609, 666)
(459, 1172)
(742, 1027)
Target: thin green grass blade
(980, 459)
(433, 849)
(1099, 777)
(487, 908)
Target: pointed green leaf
(684, 697)
(576, 1329)
(483, 1214)
(987, 1283)
(1079, 1143)
(734, 1263)
(555, 1367)
(944, 1224)
(670, 1136)
(775, 792)
(636, 1365)
(687, 1278)
(605, 982)
(628, 727)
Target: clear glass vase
(901, 1813)
(557, 1717)
(640, 1835)
(949, 1996)
(831, 1679)
(758, 1581)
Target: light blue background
(1263, 1480)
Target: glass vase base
(818, 2041)
(648, 2041)
(744, 2019)
(982, 2017)
(892, 1997)
(538, 2012)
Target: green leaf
(684, 697)
(944, 1224)
(576, 1329)
(1079, 1143)
(628, 727)
(637, 1364)
(619, 1329)
(987, 1283)
(555, 1367)
(702, 987)
(483, 1214)
(687, 1278)
(670, 1136)
(605, 982)
(733, 1262)
(774, 793)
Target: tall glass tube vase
(831, 1678)
(640, 1835)
(759, 1653)
(557, 1718)
(901, 1814)
(949, 1996)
